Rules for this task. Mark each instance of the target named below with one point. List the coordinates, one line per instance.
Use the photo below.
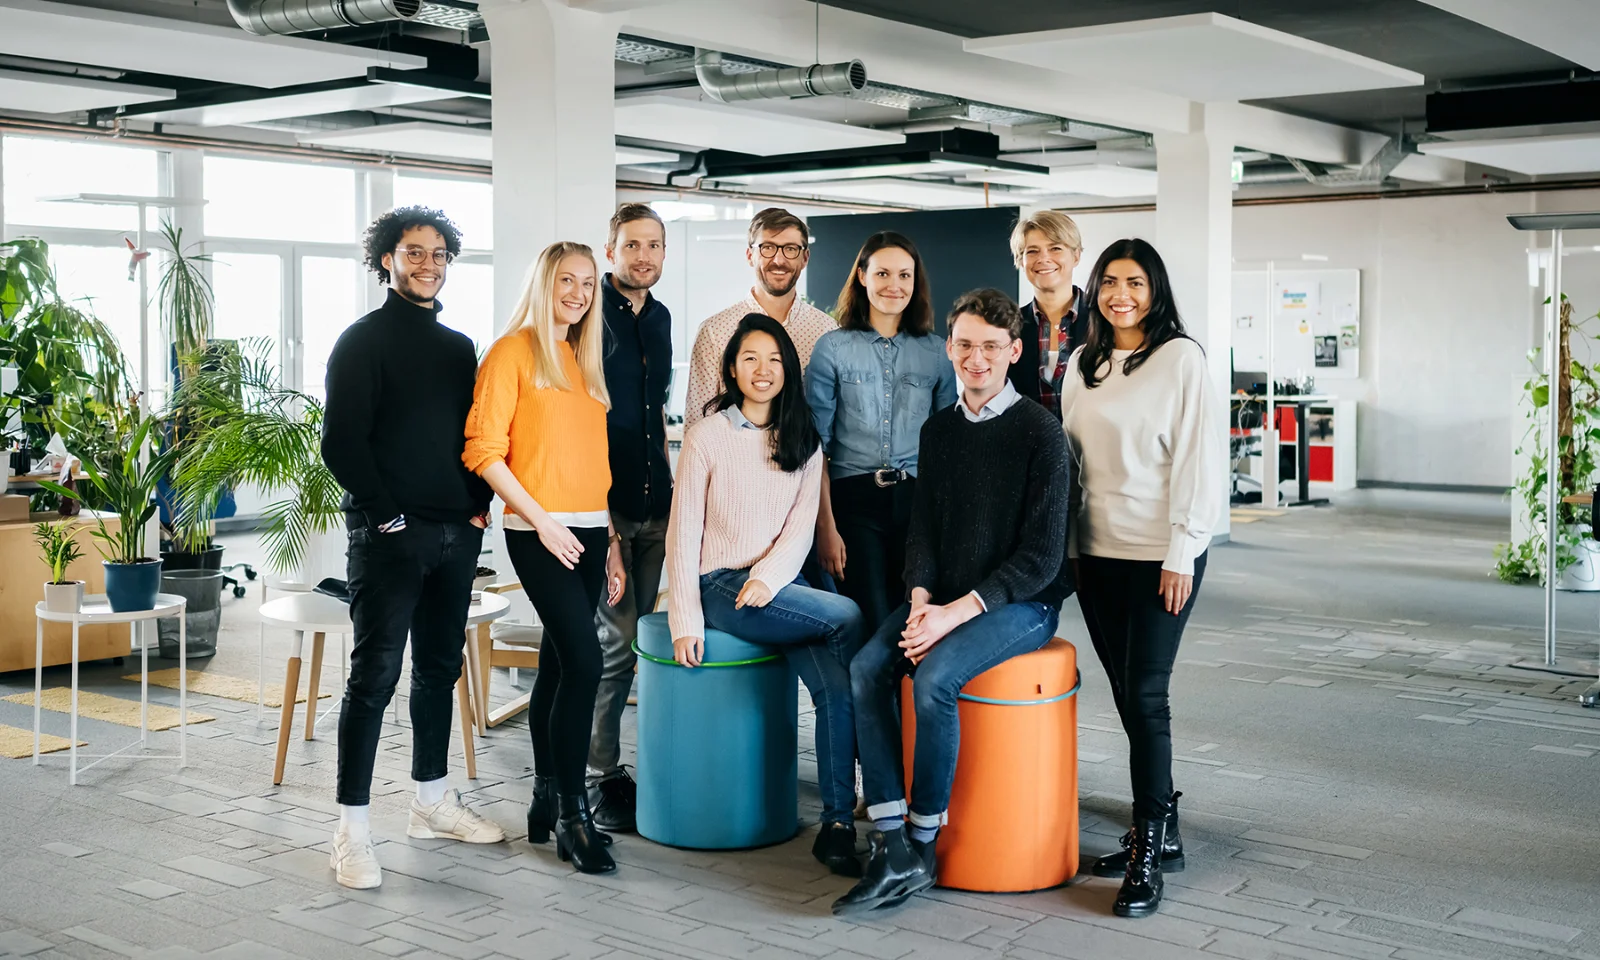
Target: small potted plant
(126, 488)
(60, 551)
(484, 578)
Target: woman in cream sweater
(537, 434)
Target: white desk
(96, 609)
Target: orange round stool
(1013, 819)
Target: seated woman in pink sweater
(743, 513)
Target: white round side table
(97, 609)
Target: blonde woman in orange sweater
(537, 434)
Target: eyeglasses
(441, 256)
(990, 349)
(791, 251)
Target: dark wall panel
(961, 250)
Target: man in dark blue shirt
(638, 361)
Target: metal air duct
(817, 80)
(267, 17)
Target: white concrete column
(1194, 232)
(552, 70)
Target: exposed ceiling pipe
(817, 80)
(1374, 171)
(267, 17)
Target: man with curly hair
(399, 388)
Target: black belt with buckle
(888, 478)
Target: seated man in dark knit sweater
(986, 573)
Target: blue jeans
(819, 633)
(985, 641)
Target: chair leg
(291, 684)
(312, 684)
(464, 698)
(510, 710)
(485, 655)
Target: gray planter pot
(64, 597)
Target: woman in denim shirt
(871, 384)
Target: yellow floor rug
(17, 743)
(1245, 515)
(98, 706)
(226, 687)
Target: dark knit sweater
(991, 509)
(399, 388)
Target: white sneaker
(354, 862)
(450, 819)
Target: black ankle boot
(835, 848)
(929, 854)
(1141, 885)
(578, 840)
(542, 812)
(1116, 864)
(894, 872)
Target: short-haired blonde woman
(537, 434)
(1046, 246)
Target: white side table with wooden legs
(96, 609)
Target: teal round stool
(717, 762)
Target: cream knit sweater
(733, 508)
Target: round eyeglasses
(440, 256)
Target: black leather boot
(542, 812)
(835, 848)
(1116, 864)
(1141, 885)
(929, 852)
(893, 873)
(578, 840)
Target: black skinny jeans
(570, 660)
(418, 582)
(873, 522)
(1137, 642)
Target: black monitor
(1250, 381)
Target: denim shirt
(869, 395)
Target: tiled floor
(1366, 775)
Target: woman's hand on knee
(689, 651)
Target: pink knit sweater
(733, 508)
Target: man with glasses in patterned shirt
(399, 388)
(1046, 246)
(778, 250)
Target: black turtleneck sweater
(399, 388)
(991, 511)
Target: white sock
(354, 822)
(430, 792)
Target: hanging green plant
(1578, 394)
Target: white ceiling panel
(1566, 28)
(721, 127)
(1091, 179)
(422, 139)
(130, 41)
(1570, 153)
(44, 93)
(909, 193)
(366, 96)
(632, 156)
(1205, 56)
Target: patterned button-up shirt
(1050, 378)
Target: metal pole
(1552, 491)
(1269, 424)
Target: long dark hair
(1161, 324)
(791, 432)
(855, 313)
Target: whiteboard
(1315, 310)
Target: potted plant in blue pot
(125, 488)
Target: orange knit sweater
(553, 440)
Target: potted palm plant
(124, 480)
(60, 551)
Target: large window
(332, 291)
(468, 203)
(97, 278)
(37, 169)
(248, 288)
(266, 200)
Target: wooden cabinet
(22, 577)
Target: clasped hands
(930, 622)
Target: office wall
(961, 250)
(1447, 316)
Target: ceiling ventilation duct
(267, 17)
(1372, 173)
(817, 80)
